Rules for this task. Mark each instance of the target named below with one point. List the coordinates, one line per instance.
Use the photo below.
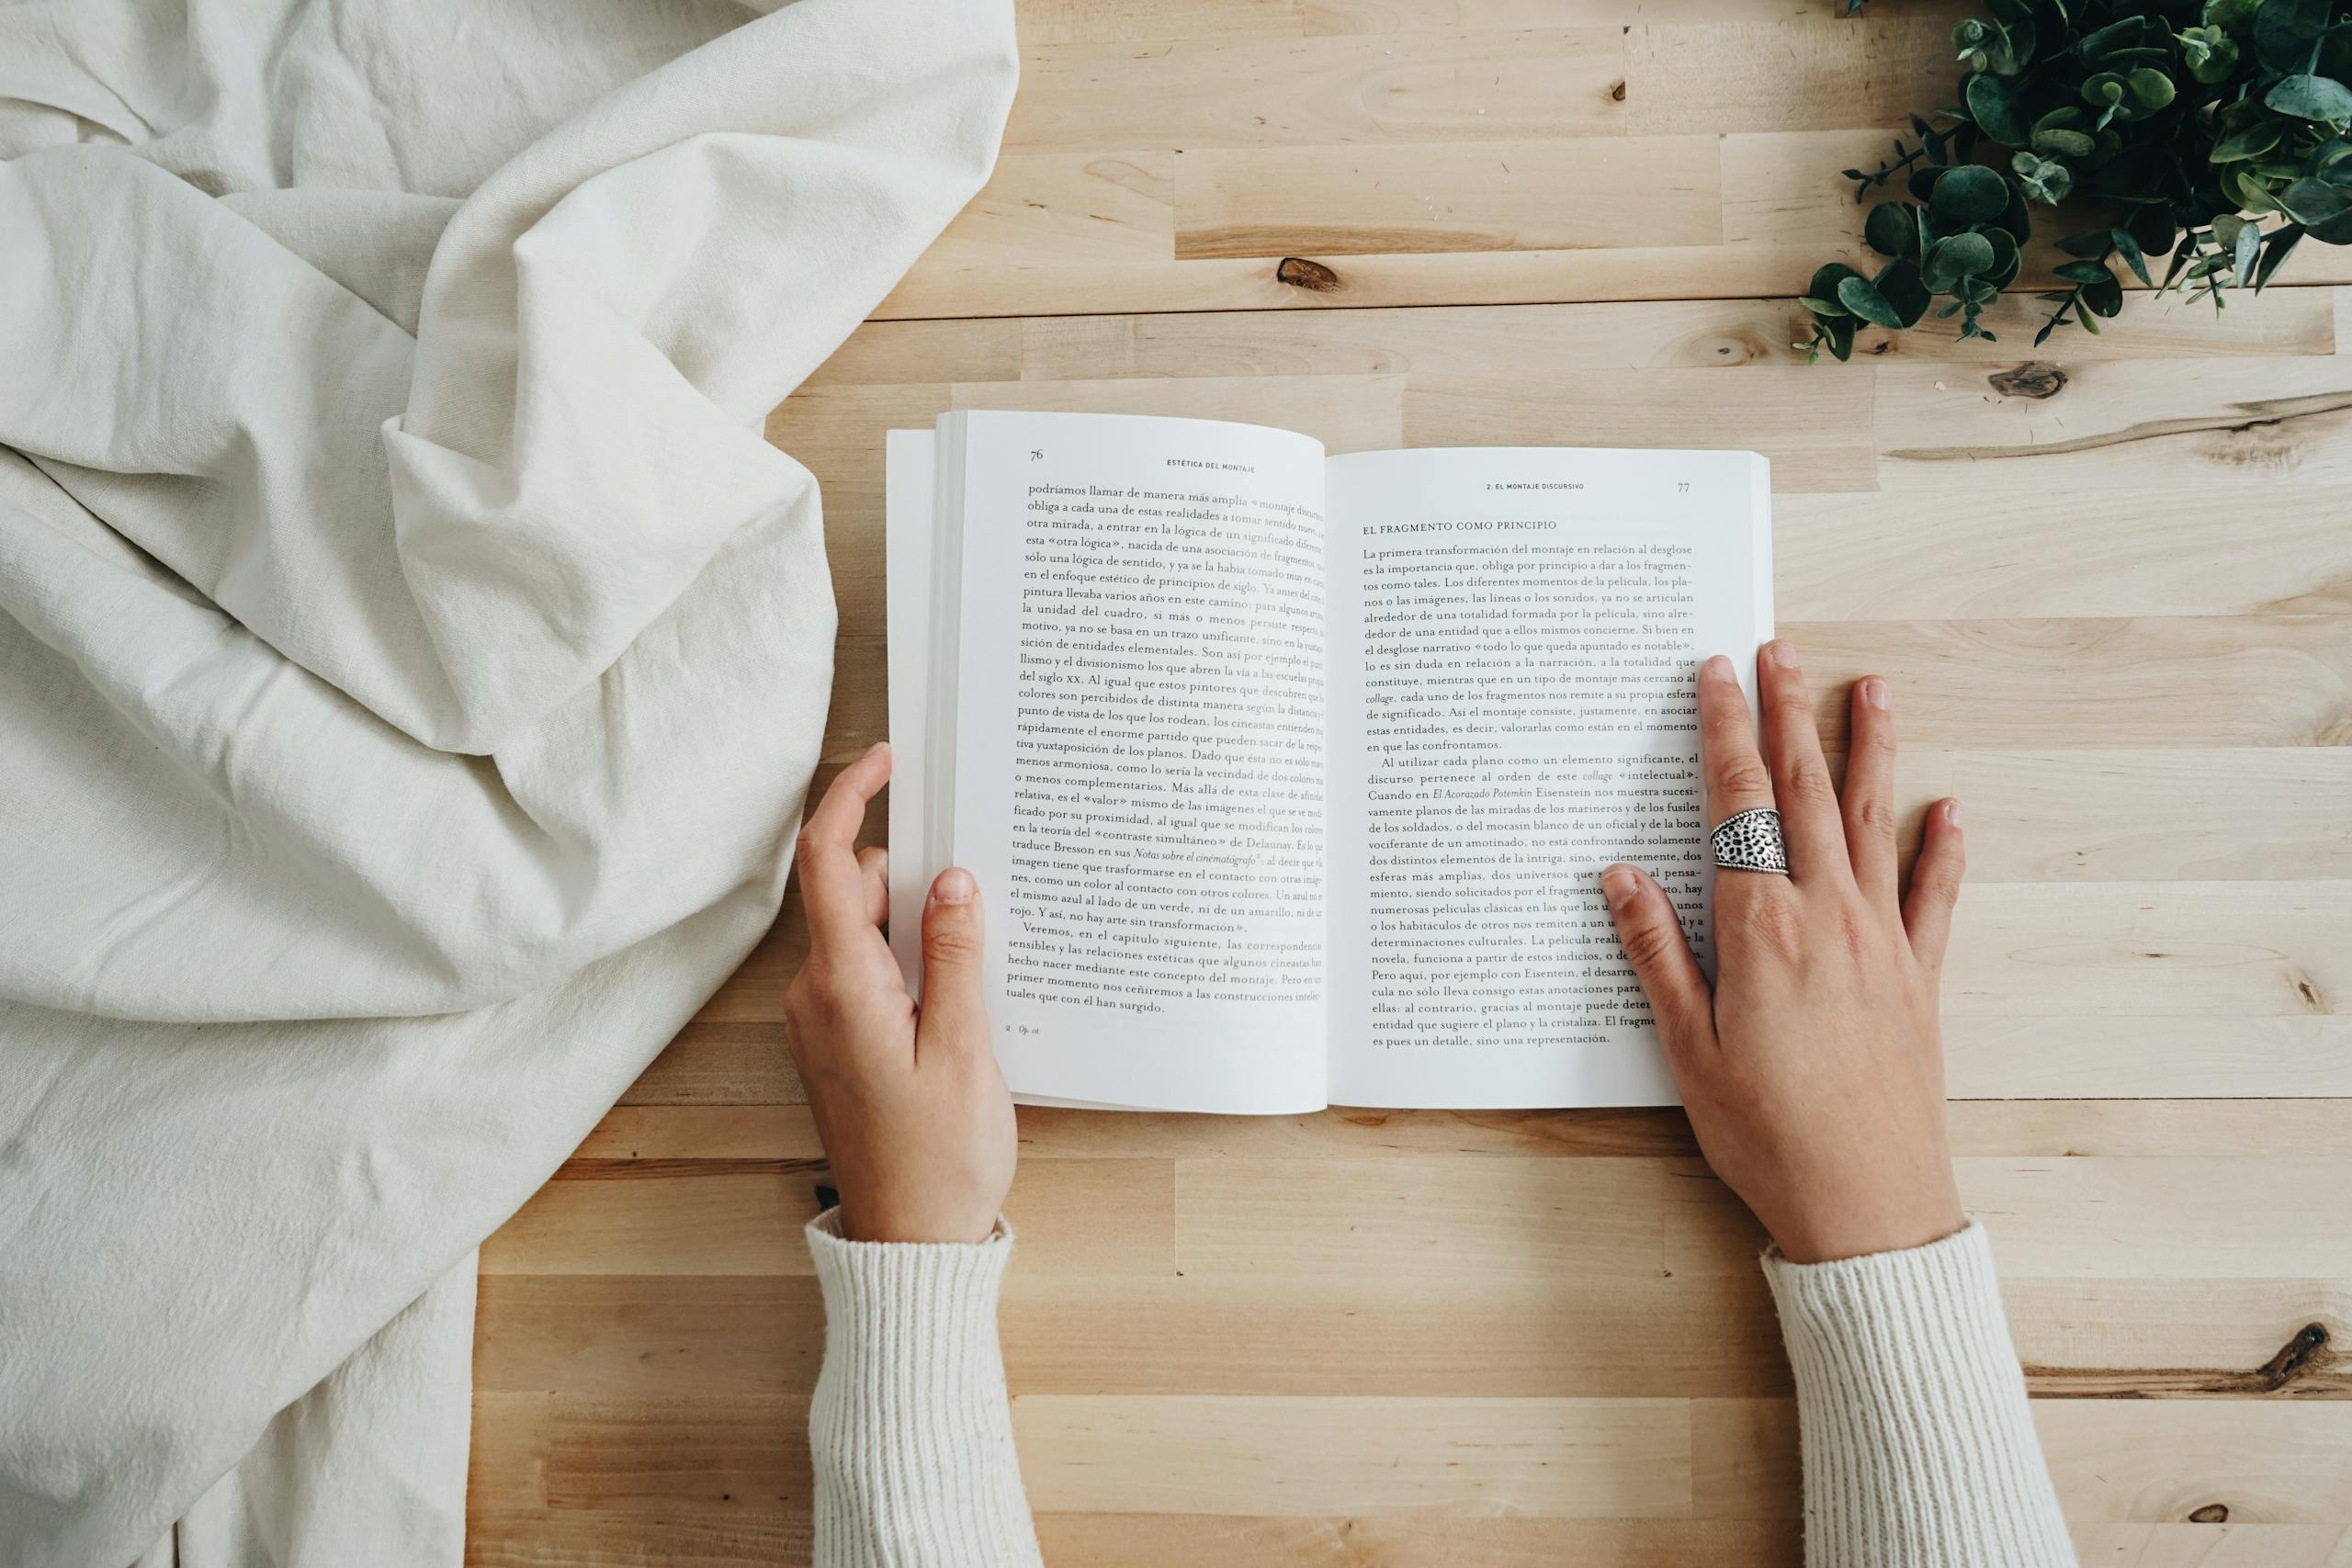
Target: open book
(1287, 777)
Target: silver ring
(1751, 840)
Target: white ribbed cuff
(910, 1432)
(1919, 1449)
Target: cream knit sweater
(1919, 1452)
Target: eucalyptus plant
(2210, 131)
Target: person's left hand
(915, 1119)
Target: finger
(831, 884)
(1662, 957)
(954, 1015)
(1935, 885)
(873, 865)
(1736, 781)
(1869, 798)
(1801, 783)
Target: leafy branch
(2219, 134)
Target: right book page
(1513, 633)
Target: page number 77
(1682, 487)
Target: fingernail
(1715, 669)
(1618, 884)
(877, 746)
(1782, 653)
(1951, 812)
(1874, 693)
(955, 886)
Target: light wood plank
(1242, 92)
(2088, 1218)
(2211, 422)
(1406, 1217)
(732, 1134)
(1998, 1056)
(1976, 551)
(2274, 815)
(2186, 682)
(2120, 1463)
(1145, 21)
(1810, 72)
(2215, 1546)
(1616, 1458)
(1093, 1217)
(1405, 1540)
(2118, 949)
(648, 1336)
(1463, 196)
(741, 1457)
(1814, 430)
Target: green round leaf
(2016, 218)
(2007, 258)
(1861, 295)
(1969, 194)
(1826, 279)
(2104, 298)
(1841, 336)
(2232, 16)
(2336, 230)
(1889, 230)
(2151, 87)
(2062, 143)
(2153, 227)
(2284, 31)
(2311, 203)
(2134, 256)
(2084, 272)
(2252, 141)
(1954, 257)
(2240, 185)
(1901, 286)
(1999, 112)
(2311, 98)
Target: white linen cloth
(411, 661)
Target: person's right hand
(1812, 1070)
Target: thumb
(952, 1012)
(1652, 940)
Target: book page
(1515, 634)
(1138, 770)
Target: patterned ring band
(1751, 840)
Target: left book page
(1106, 665)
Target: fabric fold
(413, 658)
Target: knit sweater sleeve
(1919, 1449)
(909, 1432)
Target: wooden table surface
(2114, 594)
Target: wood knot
(1618, 91)
(1300, 272)
(2210, 1514)
(2034, 379)
(2307, 1351)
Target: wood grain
(2111, 581)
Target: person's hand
(915, 1119)
(1812, 1070)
